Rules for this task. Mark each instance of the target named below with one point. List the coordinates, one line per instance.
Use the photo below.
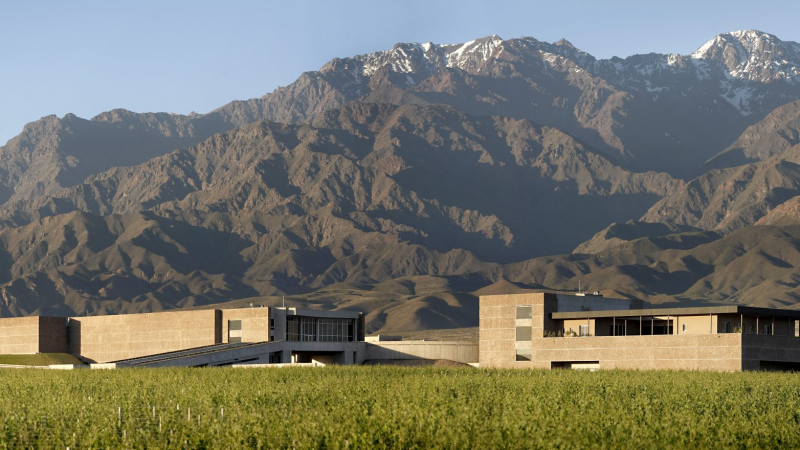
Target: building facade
(305, 334)
(549, 330)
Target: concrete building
(548, 330)
(305, 335)
(27, 335)
(219, 337)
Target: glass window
(308, 329)
(524, 333)
(335, 330)
(524, 312)
(523, 354)
(319, 329)
(584, 330)
(235, 325)
(292, 328)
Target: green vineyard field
(396, 407)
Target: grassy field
(382, 407)
(39, 359)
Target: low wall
(718, 352)
(460, 351)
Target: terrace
(676, 321)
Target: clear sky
(86, 57)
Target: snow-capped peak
(428, 58)
(753, 55)
(469, 54)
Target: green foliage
(395, 407)
(39, 359)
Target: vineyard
(392, 407)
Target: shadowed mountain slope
(494, 186)
(732, 198)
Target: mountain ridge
(405, 181)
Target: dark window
(334, 330)
(292, 328)
(308, 329)
(524, 312)
(235, 340)
(524, 333)
(321, 329)
(235, 325)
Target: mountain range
(406, 182)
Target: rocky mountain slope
(406, 182)
(365, 194)
(454, 181)
(754, 265)
(52, 153)
(653, 112)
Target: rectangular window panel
(292, 328)
(523, 354)
(584, 330)
(308, 329)
(235, 325)
(524, 312)
(524, 333)
(235, 340)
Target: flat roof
(690, 311)
(320, 313)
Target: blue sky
(86, 57)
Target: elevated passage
(212, 355)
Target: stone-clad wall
(498, 342)
(255, 323)
(19, 335)
(112, 338)
(53, 335)
(497, 325)
(722, 352)
(28, 335)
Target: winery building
(203, 337)
(219, 337)
(550, 330)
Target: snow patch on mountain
(428, 58)
(753, 55)
(732, 65)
